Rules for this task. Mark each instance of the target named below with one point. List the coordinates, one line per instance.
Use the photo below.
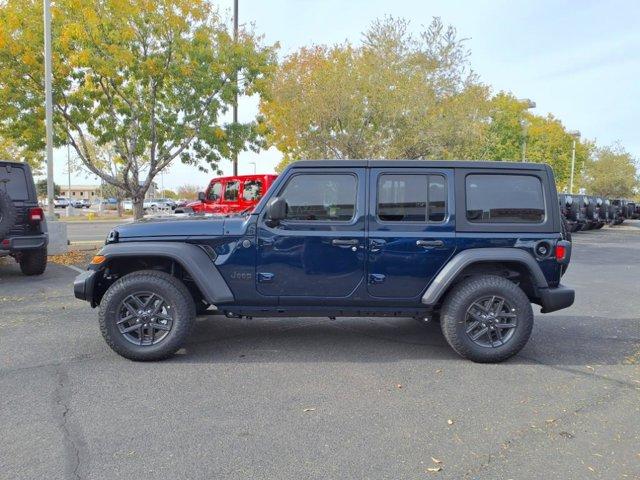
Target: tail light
(36, 215)
(561, 252)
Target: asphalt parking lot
(315, 398)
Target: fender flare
(458, 263)
(192, 258)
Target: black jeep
(23, 230)
(471, 244)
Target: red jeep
(232, 194)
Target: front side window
(215, 191)
(504, 199)
(321, 197)
(252, 190)
(411, 198)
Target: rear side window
(252, 190)
(13, 180)
(504, 199)
(321, 197)
(411, 198)
(231, 192)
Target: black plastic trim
(452, 269)
(192, 258)
(552, 299)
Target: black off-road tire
(7, 213)
(33, 262)
(168, 287)
(463, 295)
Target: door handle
(342, 242)
(429, 243)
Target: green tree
(188, 192)
(397, 95)
(611, 173)
(41, 188)
(151, 78)
(11, 151)
(167, 193)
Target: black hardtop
(466, 164)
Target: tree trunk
(138, 211)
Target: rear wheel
(486, 318)
(147, 315)
(33, 262)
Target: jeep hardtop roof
(467, 164)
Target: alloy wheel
(145, 318)
(490, 321)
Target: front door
(318, 250)
(411, 230)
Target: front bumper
(83, 285)
(552, 299)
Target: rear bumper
(28, 242)
(83, 285)
(552, 299)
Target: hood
(172, 227)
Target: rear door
(411, 229)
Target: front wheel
(147, 315)
(486, 318)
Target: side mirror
(201, 196)
(276, 211)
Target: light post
(576, 135)
(48, 108)
(529, 104)
(235, 95)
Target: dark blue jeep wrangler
(471, 244)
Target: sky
(579, 60)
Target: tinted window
(320, 197)
(14, 181)
(231, 192)
(252, 190)
(504, 199)
(216, 191)
(411, 198)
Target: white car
(60, 202)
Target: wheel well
(120, 266)
(516, 272)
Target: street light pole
(48, 107)
(529, 104)
(575, 134)
(235, 95)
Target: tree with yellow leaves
(149, 78)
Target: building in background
(80, 192)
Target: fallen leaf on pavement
(449, 422)
(434, 469)
(398, 385)
(309, 410)
(435, 460)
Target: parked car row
(586, 212)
